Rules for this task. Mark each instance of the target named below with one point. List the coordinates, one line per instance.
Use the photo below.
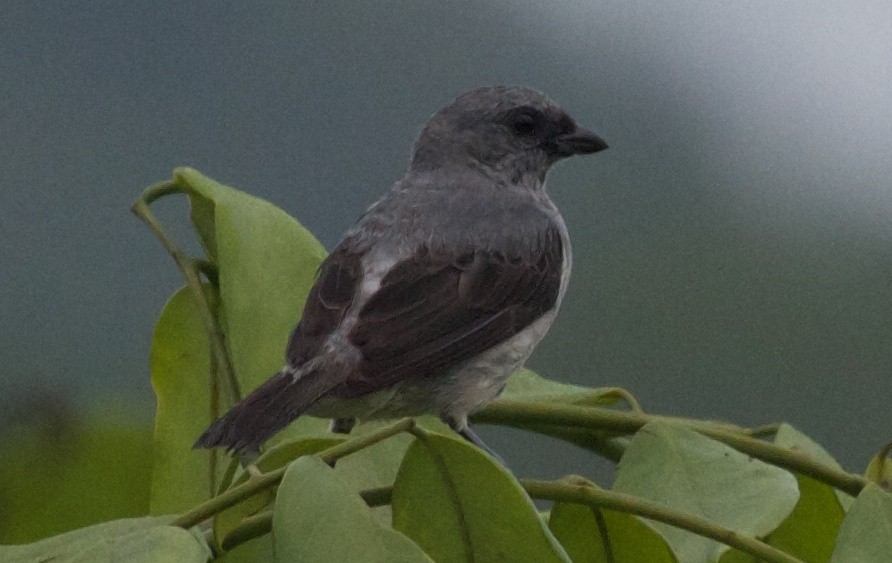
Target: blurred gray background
(732, 247)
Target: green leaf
(66, 470)
(525, 385)
(319, 517)
(809, 533)
(266, 262)
(180, 367)
(458, 504)
(789, 437)
(273, 459)
(600, 536)
(377, 465)
(686, 471)
(879, 470)
(261, 549)
(866, 532)
(135, 539)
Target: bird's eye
(525, 122)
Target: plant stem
(765, 430)
(791, 460)
(527, 414)
(532, 416)
(616, 392)
(606, 444)
(253, 486)
(249, 528)
(159, 190)
(598, 515)
(580, 492)
(189, 267)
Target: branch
(532, 416)
(580, 491)
(250, 488)
(249, 528)
(190, 268)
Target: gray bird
(442, 288)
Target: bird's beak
(579, 141)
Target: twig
(579, 491)
(189, 267)
(253, 486)
(531, 416)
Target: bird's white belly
(463, 391)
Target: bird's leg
(248, 458)
(248, 461)
(472, 437)
(342, 425)
(460, 426)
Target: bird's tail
(269, 408)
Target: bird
(441, 289)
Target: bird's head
(510, 130)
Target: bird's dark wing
(445, 305)
(326, 304)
